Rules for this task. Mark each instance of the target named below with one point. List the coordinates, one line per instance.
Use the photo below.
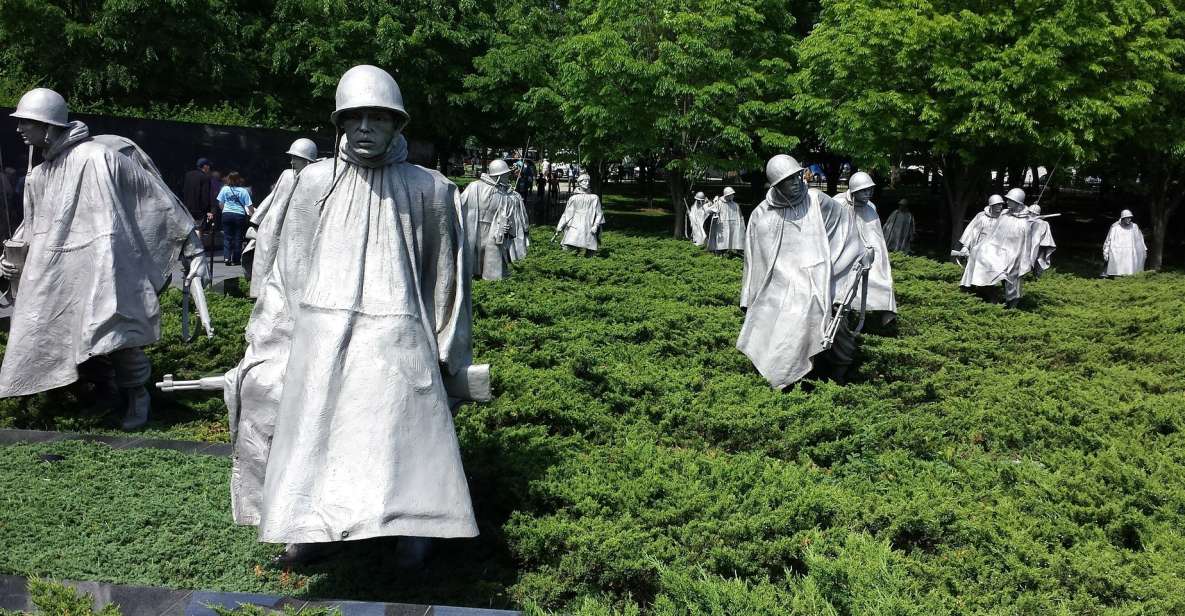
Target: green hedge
(983, 461)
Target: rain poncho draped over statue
(103, 231)
(880, 277)
(1003, 249)
(697, 214)
(797, 256)
(1124, 250)
(582, 219)
(727, 225)
(269, 222)
(491, 226)
(354, 334)
(899, 231)
(522, 229)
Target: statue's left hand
(868, 258)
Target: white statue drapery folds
(799, 251)
(582, 219)
(361, 333)
(492, 226)
(880, 278)
(1124, 250)
(900, 230)
(726, 229)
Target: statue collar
(396, 153)
(76, 132)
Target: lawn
(983, 461)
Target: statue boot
(136, 412)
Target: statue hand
(869, 257)
(9, 270)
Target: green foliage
(983, 461)
(55, 599)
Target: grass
(983, 461)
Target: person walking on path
(234, 201)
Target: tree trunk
(677, 185)
(962, 184)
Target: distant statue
(1004, 247)
(868, 223)
(697, 214)
(101, 234)
(582, 219)
(268, 220)
(726, 224)
(1125, 250)
(802, 252)
(490, 205)
(900, 230)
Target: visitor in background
(234, 201)
(197, 192)
(541, 181)
(526, 179)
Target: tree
(427, 45)
(691, 84)
(976, 84)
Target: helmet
(1016, 195)
(700, 196)
(42, 105)
(368, 86)
(728, 192)
(304, 148)
(781, 167)
(498, 168)
(859, 181)
(1035, 209)
(1126, 214)
(995, 200)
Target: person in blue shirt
(234, 201)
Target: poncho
(365, 325)
(726, 226)
(1124, 250)
(697, 214)
(489, 211)
(899, 231)
(522, 229)
(581, 221)
(796, 259)
(880, 277)
(269, 222)
(103, 232)
(1008, 250)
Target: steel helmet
(1016, 195)
(1035, 209)
(42, 105)
(304, 148)
(700, 196)
(1126, 214)
(497, 168)
(995, 200)
(366, 86)
(728, 192)
(859, 181)
(781, 167)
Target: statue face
(33, 133)
(792, 188)
(369, 131)
(1127, 222)
(503, 180)
(995, 209)
(862, 197)
(1015, 207)
(297, 163)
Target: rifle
(191, 290)
(859, 284)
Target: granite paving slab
(155, 601)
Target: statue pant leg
(132, 371)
